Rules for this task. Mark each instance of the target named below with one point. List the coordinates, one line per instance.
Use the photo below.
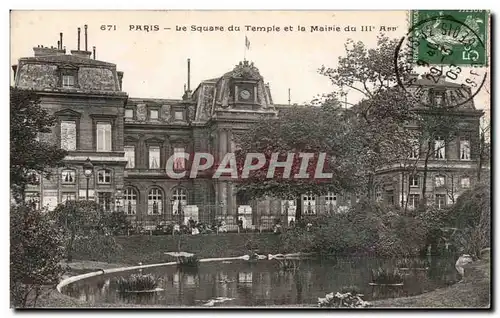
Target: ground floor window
(104, 201)
(68, 196)
(309, 204)
(179, 197)
(440, 200)
(413, 200)
(130, 201)
(155, 199)
(33, 198)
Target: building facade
(129, 140)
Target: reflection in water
(261, 283)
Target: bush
(36, 250)
(188, 261)
(412, 263)
(339, 300)
(286, 265)
(116, 222)
(84, 227)
(136, 282)
(386, 276)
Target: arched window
(179, 197)
(155, 199)
(130, 201)
(104, 176)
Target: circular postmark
(438, 62)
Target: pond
(262, 283)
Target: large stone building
(129, 140)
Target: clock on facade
(245, 94)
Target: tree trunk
(423, 201)
(70, 247)
(298, 209)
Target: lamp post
(88, 170)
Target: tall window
(68, 135)
(68, 176)
(413, 200)
(68, 196)
(104, 176)
(439, 181)
(179, 195)
(464, 148)
(309, 202)
(439, 148)
(104, 201)
(155, 199)
(103, 136)
(179, 163)
(415, 149)
(130, 156)
(154, 157)
(130, 201)
(68, 81)
(287, 206)
(414, 181)
(440, 200)
(465, 182)
(33, 198)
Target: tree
(84, 227)
(28, 155)
(36, 250)
(298, 129)
(378, 119)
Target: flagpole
(245, 51)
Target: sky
(155, 62)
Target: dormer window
(438, 97)
(68, 76)
(68, 81)
(153, 114)
(179, 115)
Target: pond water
(262, 283)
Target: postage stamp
(463, 33)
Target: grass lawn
(150, 249)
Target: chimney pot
(93, 49)
(85, 26)
(60, 40)
(78, 40)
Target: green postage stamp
(461, 36)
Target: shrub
(412, 263)
(136, 282)
(354, 290)
(340, 300)
(36, 250)
(291, 265)
(84, 227)
(386, 276)
(188, 261)
(116, 222)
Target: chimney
(93, 49)
(78, 40)
(58, 45)
(120, 77)
(85, 26)
(14, 68)
(189, 76)
(60, 41)
(46, 51)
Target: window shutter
(100, 137)
(68, 135)
(107, 134)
